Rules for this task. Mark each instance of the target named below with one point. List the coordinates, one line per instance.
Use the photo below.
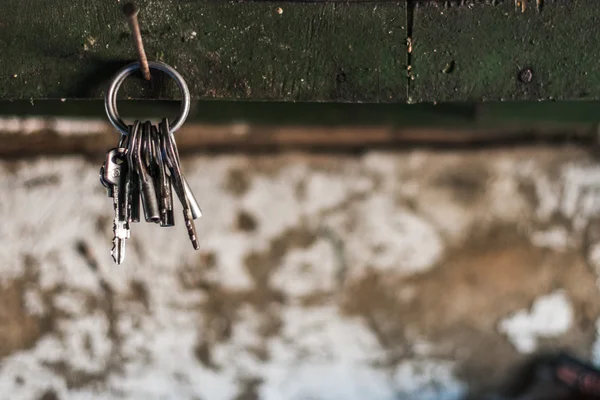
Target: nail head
(130, 10)
(526, 75)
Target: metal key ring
(110, 100)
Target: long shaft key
(115, 174)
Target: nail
(526, 75)
(131, 12)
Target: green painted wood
(350, 52)
(307, 51)
(477, 51)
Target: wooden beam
(350, 52)
(492, 52)
(321, 50)
(36, 137)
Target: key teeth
(118, 251)
(117, 248)
(113, 253)
(189, 224)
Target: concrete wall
(384, 276)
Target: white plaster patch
(61, 126)
(581, 193)
(556, 238)
(232, 249)
(381, 163)
(217, 228)
(160, 362)
(329, 381)
(72, 303)
(24, 377)
(236, 356)
(548, 195)
(22, 126)
(273, 202)
(87, 342)
(324, 191)
(428, 379)
(452, 220)
(322, 334)
(321, 355)
(305, 271)
(550, 316)
(34, 302)
(46, 197)
(389, 238)
(505, 202)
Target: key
(125, 192)
(169, 151)
(115, 173)
(151, 195)
(164, 186)
(127, 195)
(194, 206)
(133, 182)
(146, 183)
(149, 147)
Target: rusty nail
(131, 12)
(526, 75)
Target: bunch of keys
(145, 168)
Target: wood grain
(350, 52)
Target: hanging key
(133, 184)
(174, 168)
(149, 149)
(194, 206)
(164, 186)
(115, 173)
(146, 183)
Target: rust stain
(459, 305)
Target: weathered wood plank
(487, 51)
(351, 52)
(58, 137)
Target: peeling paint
(382, 276)
(550, 316)
(554, 238)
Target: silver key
(133, 192)
(115, 173)
(194, 206)
(133, 184)
(170, 153)
(146, 182)
(164, 187)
